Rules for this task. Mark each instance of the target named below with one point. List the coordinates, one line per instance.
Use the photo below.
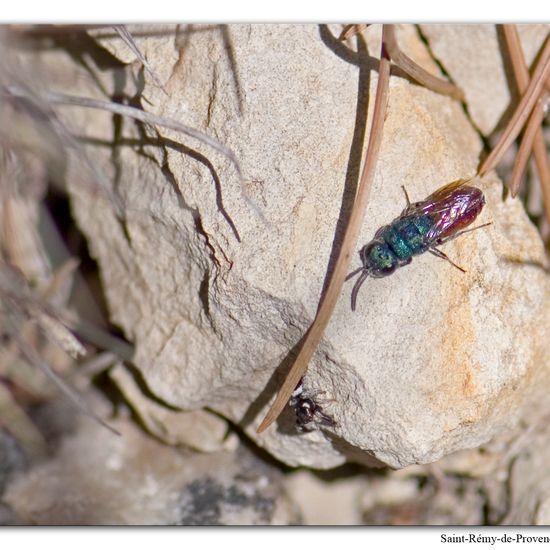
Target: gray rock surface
(12, 459)
(96, 478)
(216, 279)
(12, 463)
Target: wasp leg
(443, 256)
(443, 241)
(406, 196)
(326, 419)
(324, 400)
(316, 393)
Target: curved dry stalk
(336, 283)
(522, 112)
(521, 74)
(415, 71)
(131, 112)
(352, 30)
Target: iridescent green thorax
(406, 236)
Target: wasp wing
(438, 201)
(446, 190)
(451, 207)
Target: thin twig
(100, 337)
(522, 112)
(416, 71)
(527, 142)
(334, 289)
(125, 34)
(521, 74)
(34, 359)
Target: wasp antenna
(357, 286)
(354, 273)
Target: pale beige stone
(432, 362)
(198, 429)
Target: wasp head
(378, 261)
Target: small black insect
(309, 413)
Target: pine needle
(329, 300)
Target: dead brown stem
(352, 30)
(521, 74)
(416, 71)
(522, 112)
(526, 146)
(328, 302)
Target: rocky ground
(202, 259)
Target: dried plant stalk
(130, 112)
(34, 358)
(522, 112)
(526, 146)
(125, 34)
(403, 61)
(314, 334)
(352, 30)
(416, 71)
(521, 74)
(19, 309)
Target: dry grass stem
(130, 112)
(125, 34)
(60, 279)
(522, 112)
(416, 71)
(36, 128)
(521, 74)
(59, 334)
(329, 300)
(21, 310)
(99, 337)
(527, 145)
(34, 358)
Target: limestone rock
(217, 279)
(198, 429)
